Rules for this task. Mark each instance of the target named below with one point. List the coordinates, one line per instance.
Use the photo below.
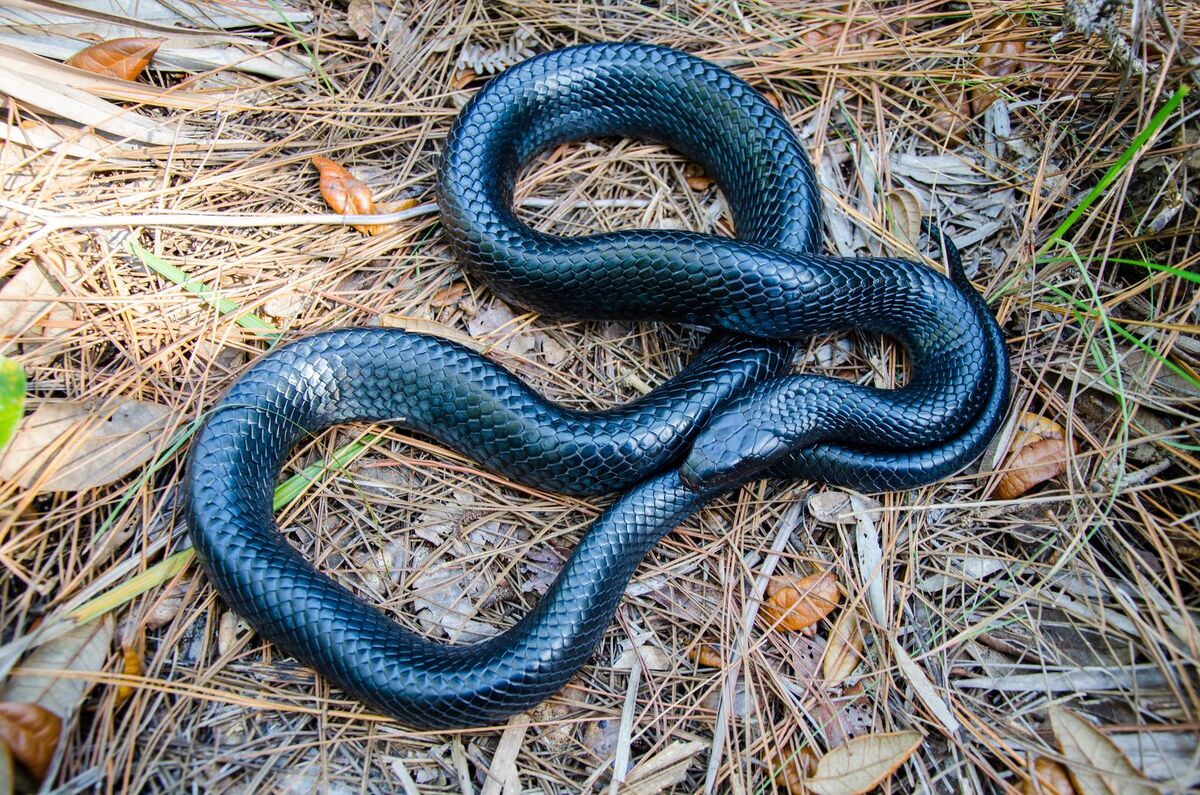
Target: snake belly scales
(732, 415)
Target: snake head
(731, 450)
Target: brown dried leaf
(799, 604)
(904, 213)
(844, 652)
(121, 58)
(66, 446)
(448, 296)
(1039, 453)
(771, 97)
(997, 58)
(1095, 764)
(861, 764)
(31, 733)
(1052, 779)
(706, 655)
(81, 650)
(360, 16)
(951, 114)
(791, 769)
(463, 79)
(699, 182)
(345, 193)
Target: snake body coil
(731, 416)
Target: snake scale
(733, 415)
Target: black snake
(731, 416)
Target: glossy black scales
(732, 415)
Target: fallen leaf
(771, 96)
(345, 193)
(861, 764)
(903, 213)
(662, 771)
(652, 658)
(360, 16)
(792, 769)
(706, 655)
(167, 605)
(922, 685)
(67, 446)
(31, 733)
(1095, 764)
(448, 296)
(836, 507)
(12, 398)
(1038, 453)
(120, 58)
(951, 112)
(1052, 779)
(29, 302)
(799, 604)
(82, 650)
(463, 79)
(432, 328)
(997, 58)
(8, 776)
(600, 737)
(844, 652)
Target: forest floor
(1040, 608)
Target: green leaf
(12, 397)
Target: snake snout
(730, 450)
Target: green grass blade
(245, 319)
(12, 397)
(1114, 171)
(172, 565)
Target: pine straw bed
(1080, 594)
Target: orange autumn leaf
(31, 732)
(345, 193)
(706, 655)
(121, 58)
(1039, 453)
(799, 604)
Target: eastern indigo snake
(731, 416)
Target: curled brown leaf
(31, 732)
(706, 655)
(792, 767)
(1039, 453)
(951, 113)
(121, 58)
(345, 193)
(798, 605)
(1052, 779)
(998, 57)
